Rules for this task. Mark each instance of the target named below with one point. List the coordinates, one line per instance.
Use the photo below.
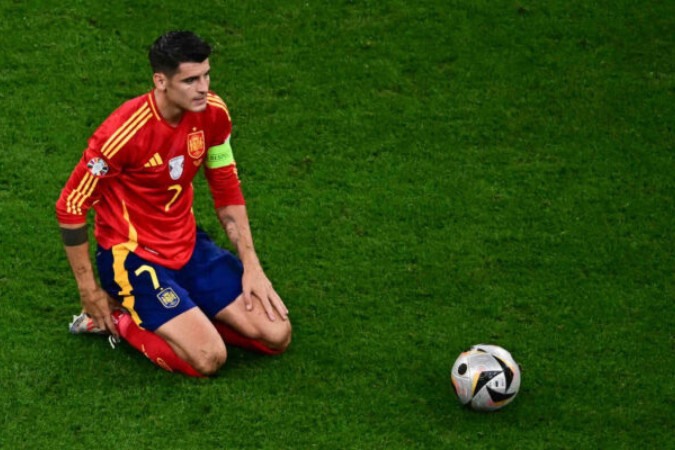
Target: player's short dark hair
(176, 47)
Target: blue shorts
(153, 294)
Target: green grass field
(421, 176)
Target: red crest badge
(196, 145)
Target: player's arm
(77, 197)
(221, 173)
(95, 301)
(234, 220)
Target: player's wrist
(250, 262)
(87, 289)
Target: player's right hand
(96, 303)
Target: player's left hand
(255, 283)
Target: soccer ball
(485, 377)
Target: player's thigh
(255, 324)
(212, 276)
(150, 292)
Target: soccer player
(165, 287)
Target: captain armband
(74, 236)
(220, 155)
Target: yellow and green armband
(219, 155)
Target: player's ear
(160, 81)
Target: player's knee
(279, 336)
(210, 360)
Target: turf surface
(421, 176)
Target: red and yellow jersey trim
(217, 102)
(81, 193)
(125, 132)
(153, 106)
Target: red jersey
(137, 174)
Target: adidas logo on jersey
(156, 160)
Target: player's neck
(171, 112)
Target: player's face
(187, 88)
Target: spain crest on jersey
(196, 144)
(168, 298)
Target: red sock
(232, 337)
(151, 345)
